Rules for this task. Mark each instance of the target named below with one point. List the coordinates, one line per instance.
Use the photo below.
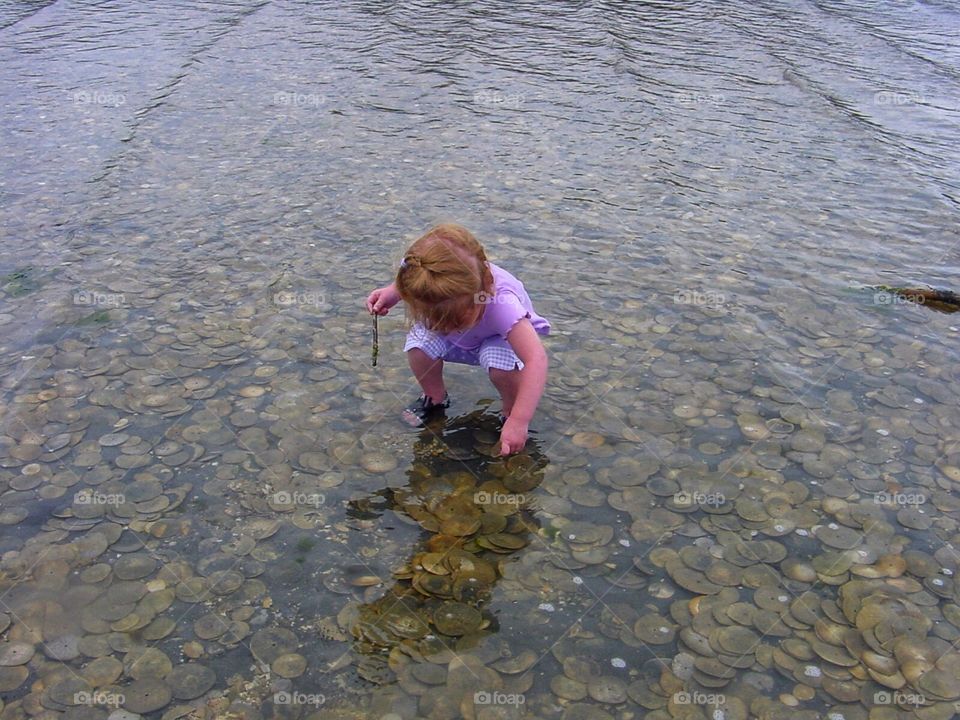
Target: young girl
(468, 310)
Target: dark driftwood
(942, 300)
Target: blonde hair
(441, 276)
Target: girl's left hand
(513, 436)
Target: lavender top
(508, 304)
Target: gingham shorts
(494, 352)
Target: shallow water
(196, 200)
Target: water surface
(195, 200)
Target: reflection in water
(477, 509)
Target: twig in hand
(376, 339)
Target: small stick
(376, 339)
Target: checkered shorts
(494, 352)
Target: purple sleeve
(506, 310)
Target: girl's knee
(418, 358)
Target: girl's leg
(429, 374)
(506, 382)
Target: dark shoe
(422, 410)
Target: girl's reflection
(476, 506)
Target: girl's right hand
(382, 299)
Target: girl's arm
(533, 378)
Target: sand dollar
(61, 691)
(15, 653)
(195, 382)
(567, 688)
(157, 400)
(102, 671)
(654, 629)
(142, 490)
(798, 570)
(270, 643)
(505, 541)
(146, 695)
(737, 640)
(460, 526)
(516, 664)
(405, 622)
(378, 462)
(190, 680)
(607, 689)
(839, 536)
(289, 665)
(694, 581)
(428, 673)
(224, 582)
(210, 626)
(455, 618)
(113, 439)
(62, 648)
(588, 440)
(148, 662)
(134, 566)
